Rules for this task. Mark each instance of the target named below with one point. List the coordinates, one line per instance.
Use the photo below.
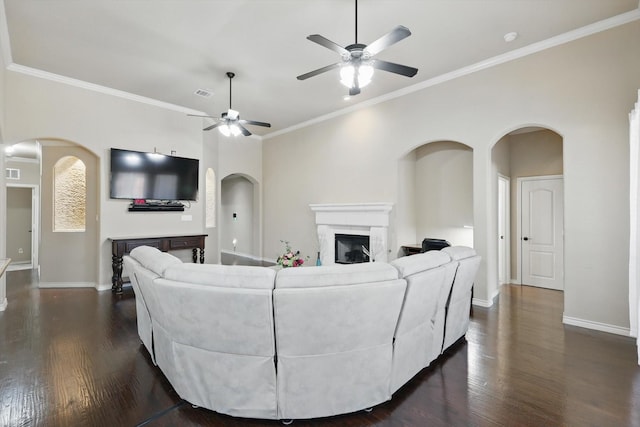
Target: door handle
(525, 238)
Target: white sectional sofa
(298, 343)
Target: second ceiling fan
(357, 65)
(229, 123)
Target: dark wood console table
(122, 246)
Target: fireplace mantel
(367, 219)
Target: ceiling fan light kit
(357, 65)
(356, 76)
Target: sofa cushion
(153, 259)
(224, 276)
(335, 275)
(459, 252)
(413, 264)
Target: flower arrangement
(290, 258)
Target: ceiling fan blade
(213, 126)
(394, 36)
(243, 129)
(323, 41)
(394, 68)
(318, 71)
(201, 115)
(354, 91)
(253, 122)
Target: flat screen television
(152, 176)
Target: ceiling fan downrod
(231, 76)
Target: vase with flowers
(290, 258)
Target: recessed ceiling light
(346, 97)
(509, 37)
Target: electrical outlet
(20, 251)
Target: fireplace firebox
(351, 249)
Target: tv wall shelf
(159, 207)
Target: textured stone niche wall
(69, 194)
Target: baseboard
(49, 285)
(482, 302)
(103, 287)
(596, 326)
(486, 303)
(4, 305)
(18, 267)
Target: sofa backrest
(426, 288)
(335, 275)
(334, 334)
(420, 331)
(144, 322)
(218, 308)
(336, 308)
(469, 262)
(153, 259)
(457, 321)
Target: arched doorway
(530, 160)
(239, 220)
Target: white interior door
(503, 230)
(542, 232)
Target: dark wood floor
(71, 357)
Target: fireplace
(368, 221)
(351, 249)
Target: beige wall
(210, 160)
(584, 90)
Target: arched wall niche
(69, 195)
(239, 218)
(69, 259)
(435, 194)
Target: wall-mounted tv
(152, 176)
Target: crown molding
(34, 72)
(561, 39)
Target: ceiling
(167, 49)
